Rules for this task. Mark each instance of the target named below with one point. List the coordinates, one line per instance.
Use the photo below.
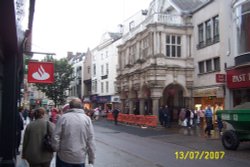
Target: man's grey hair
(75, 103)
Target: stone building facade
(155, 63)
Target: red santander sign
(40, 72)
(238, 78)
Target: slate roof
(115, 36)
(189, 5)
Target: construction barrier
(151, 120)
(110, 117)
(140, 120)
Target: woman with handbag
(33, 143)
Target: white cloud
(75, 25)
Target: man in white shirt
(73, 137)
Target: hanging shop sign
(238, 78)
(220, 78)
(40, 72)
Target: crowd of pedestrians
(70, 133)
(205, 119)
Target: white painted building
(211, 45)
(104, 63)
(76, 86)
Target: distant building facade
(76, 86)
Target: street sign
(40, 72)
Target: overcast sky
(76, 25)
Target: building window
(95, 88)
(107, 55)
(132, 54)
(94, 70)
(88, 69)
(216, 28)
(102, 70)
(208, 31)
(102, 87)
(145, 46)
(201, 67)
(200, 34)
(107, 68)
(209, 65)
(211, 32)
(131, 25)
(107, 86)
(173, 46)
(217, 64)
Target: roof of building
(188, 6)
(115, 36)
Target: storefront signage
(238, 78)
(220, 78)
(103, 99)
(40, 72)
(209, 92)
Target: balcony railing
(171, 20)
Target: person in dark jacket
(19, 129)
(208, 115)
(188, 117)
(115, 114)
(166, 116)
(161, 117)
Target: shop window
(241, 96)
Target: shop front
(208, 96)
(87, 102)
(238, 83)
(102, 102)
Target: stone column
(142, 101)
(131, 110)
(155, 106)
(122, 106)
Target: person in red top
(54, 114)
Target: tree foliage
(63, 75)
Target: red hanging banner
(40, 72)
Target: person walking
(115, 114)
(161, 115)
(19, 129)
(35, 131)
(73, 137)
(208, 115)
(188, 117)
(166, 116)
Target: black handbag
(47, 140)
